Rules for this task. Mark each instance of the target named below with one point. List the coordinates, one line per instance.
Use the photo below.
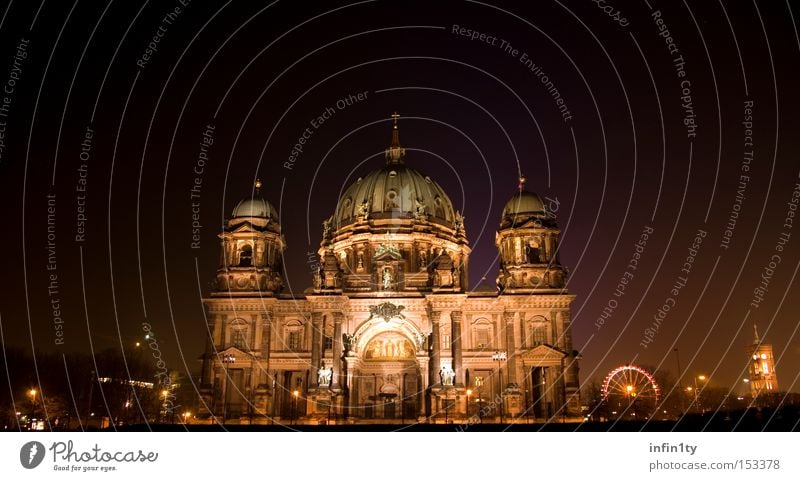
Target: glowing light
(32, 392)
(296, 393)
(469, 392)
(763, 356)
(701, 377)
(629, 388)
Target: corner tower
(235, 380)
(527, 241)
(251, 249)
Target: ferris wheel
(631, 391)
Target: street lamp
(295, 394)
(186, 416)
(479, 385)
(702, 378)
(227, 360)
(469, 393)
(500, 356)
(165, 393)
(32, 394)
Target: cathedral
(389, 331)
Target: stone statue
(419, 210)
(387, 279)
(348, 342)
(422, 341)
(327, 228)
(458, 225)
(447, 376)
(324, 375)
(319, 278)
(363, 210)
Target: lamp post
(164, 393)
(479, 385)
(295, 394)
(702, 378)
(680, 377)
(500, 356)
(227, 360)
(446, 406)
(469, 393)
(32, 394)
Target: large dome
(393, 191)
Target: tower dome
(524, 202)
(254, 206)
(524, 206)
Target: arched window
(237, 334)
(239, 338)
(293, 336)
(246, 256)
(539, 334)
(536, 331)
(482, 334)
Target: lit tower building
(763, 377)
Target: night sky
(660, 106)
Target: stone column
(266, 340)
(564, 317)
(435, 364)
(511, 371)
(455, 337)
(254, 343)
(316, 346)
(338, 317)
(219, 338)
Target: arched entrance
(389, 377)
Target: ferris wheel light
(634, 384)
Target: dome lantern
(395, 153)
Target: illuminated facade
(389, 332)
(763, 378)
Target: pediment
(543, 353)
(244, 227)
(237, 353)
